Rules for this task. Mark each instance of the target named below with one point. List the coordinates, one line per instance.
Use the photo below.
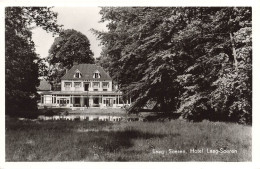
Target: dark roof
(87, 71)
(44, 85)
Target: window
(95, 89)
(96, 74)
(96, 100)
(105, 84)
(77, 84)
(104, 89)
(77, 74)
(95, 84)
(86, 86)
(67, 84)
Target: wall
(91, 88)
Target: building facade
(84, 85)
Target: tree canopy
(71, 46)
(21, 61)
(196, 61)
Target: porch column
(81, 101)
(100, 99)
(72, 100)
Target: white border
(129, 3)
(255, 4)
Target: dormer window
(96, 74)
(77, 74)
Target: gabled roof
(87, 71)
(44, 85)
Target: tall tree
(219, 83)
(182, 58)
(71, 46)
(21, 61)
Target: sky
(81, 19)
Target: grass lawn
(126, 141)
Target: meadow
(175, 140)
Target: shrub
(64, 113)
(241, 112)
(50, 113)
(25, 114)
(194, 108)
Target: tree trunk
(234, 52)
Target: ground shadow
(117, 140)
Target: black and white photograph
(128, 83)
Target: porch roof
(85, 93)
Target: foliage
(195, 60)
(71, 46)
(43, 67)
(21, 61)
(50, 113)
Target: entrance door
(63, 102)
(109, 102)
(86, 102)
(77, 102)
(86, 86)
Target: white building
(84, 85)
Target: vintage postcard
(144, 82)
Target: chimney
(75, 63)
